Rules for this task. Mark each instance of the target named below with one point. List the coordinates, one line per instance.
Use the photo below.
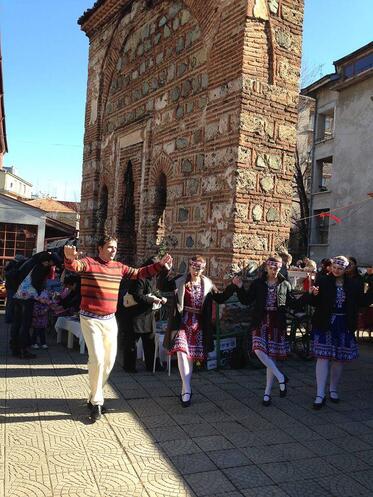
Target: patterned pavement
(225, 445)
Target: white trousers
(100, 337)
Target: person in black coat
(271, 295)
(138, 321)
(190, 331)
(337, 299)
(12, 281)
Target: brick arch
(198, 9)
(163, 164)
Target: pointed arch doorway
(126, 229)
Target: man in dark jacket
(11, 284)
(138, 321)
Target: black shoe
(96, 413)
(285, 390)
(185, 403)
(25, 354)
(158, 367)
(91, 406)
(266, 400)
(130, 370)
(333, 399)
(319, 405)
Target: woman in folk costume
(190, 333)
(271, 295)
(336, 299)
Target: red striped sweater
(100, 281)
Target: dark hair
(198, 258)
(39, 276)
(352, 259)
(44, 256)
(105, 239)
(274, 258)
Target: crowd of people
(109, 295)
(37, 288)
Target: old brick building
(190, 126)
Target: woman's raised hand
(237, 281)
(314, 290)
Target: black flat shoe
(185, 403)
(95, 414)
(285, 390)
(91, 406)
(266, 400)
(319, 405)
(333, 399)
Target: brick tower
(190, 127)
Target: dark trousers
(38, 333)
(22, 320)
(130, 350)
(9, 306)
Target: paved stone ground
(225, 444)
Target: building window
(360, 65)
(323, 174)
(321, 233)
(325, 125)
(311, 122)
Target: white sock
(270, 364)
(270, 378)
(185, 370)
(335, 375)
(322, 368)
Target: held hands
(166, 261)
(237, 281)
(159, 300)
(70, 252)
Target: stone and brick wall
(197, 101)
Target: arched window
(102, 210)
(160, 207)
(126, 227)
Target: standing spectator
(286, 263)
(138, 321)
(352, 270)
(324, 269)
(100, 280)
(11, 285)
(40, 319)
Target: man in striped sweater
(100, 280)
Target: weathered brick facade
(191, 126)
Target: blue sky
(45, 76)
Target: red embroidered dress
(189, 338)
(269, 337)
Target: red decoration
(331, 216)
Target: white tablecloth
(73, 328)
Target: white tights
(185, 370)
(322, 369)
(272, 370)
